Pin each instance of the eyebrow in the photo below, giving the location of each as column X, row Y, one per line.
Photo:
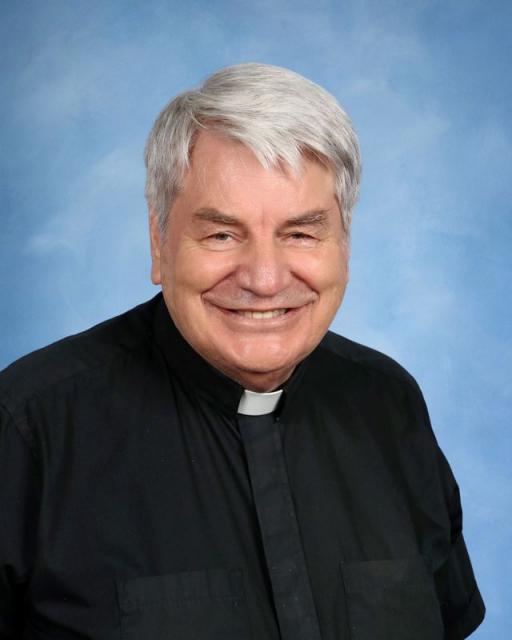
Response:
column 313, row 217
column 209, row 214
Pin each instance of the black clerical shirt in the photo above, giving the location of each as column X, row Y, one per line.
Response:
column 137, row 503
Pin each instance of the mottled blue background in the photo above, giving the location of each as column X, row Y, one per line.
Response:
column 427, row 84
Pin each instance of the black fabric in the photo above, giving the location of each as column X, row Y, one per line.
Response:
column 280, row 534
column 133, row 504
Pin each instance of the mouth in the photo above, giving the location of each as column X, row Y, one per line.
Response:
column 268, row 317
column 259, row 315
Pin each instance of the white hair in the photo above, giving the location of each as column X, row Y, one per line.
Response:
column 277, row 113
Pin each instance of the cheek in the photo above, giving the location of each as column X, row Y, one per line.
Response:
column 325, row 273
column 195, row 271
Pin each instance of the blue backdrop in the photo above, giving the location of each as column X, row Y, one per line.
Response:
column 427, row 84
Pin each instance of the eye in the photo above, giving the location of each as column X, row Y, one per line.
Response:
column 221, row 236
column 219, row 241
column 300, row 238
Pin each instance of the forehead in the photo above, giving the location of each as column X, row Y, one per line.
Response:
column 224, row 172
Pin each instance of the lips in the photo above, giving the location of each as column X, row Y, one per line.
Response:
column 260, row 315
column 248, row 315
column 245, row 305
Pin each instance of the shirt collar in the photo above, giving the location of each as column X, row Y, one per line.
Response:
column 258, row 404
column 212, row 385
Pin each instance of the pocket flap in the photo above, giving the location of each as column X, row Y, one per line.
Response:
column 391, row 599
column 180, row 587
column 379, row 574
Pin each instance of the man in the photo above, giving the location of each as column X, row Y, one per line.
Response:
column 215, row 463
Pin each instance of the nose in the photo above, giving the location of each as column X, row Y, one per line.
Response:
column 264, row 269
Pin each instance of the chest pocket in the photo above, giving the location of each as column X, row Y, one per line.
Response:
column 204, row 605
column 391, row 600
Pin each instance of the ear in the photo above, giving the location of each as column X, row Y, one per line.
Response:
column 155, row 239
column 347, row 247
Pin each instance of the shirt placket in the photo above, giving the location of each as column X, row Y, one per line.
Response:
column 284, row 554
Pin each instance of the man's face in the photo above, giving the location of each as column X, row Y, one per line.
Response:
column 253, row 262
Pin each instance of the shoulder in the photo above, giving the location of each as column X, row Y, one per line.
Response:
column 367, row 374
column 363, row 385
column 343, row 352
column 75, row 356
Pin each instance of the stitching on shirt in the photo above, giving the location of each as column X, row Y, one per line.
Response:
column 25, row 434
column 87, row 370
column 405, row 376
column 181, row 602
column 144, row 341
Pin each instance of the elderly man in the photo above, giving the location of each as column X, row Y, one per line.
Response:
column 215, row 464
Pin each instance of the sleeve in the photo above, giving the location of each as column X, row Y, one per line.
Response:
column 19, row 500
column 462, row 607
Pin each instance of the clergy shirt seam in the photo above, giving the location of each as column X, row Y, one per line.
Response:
column 43, row 390
column 407, row 378
column 25, row 434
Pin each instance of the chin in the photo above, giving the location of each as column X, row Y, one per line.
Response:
column 263, row 368
column 259, row 363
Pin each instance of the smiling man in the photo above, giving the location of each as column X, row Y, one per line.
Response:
column 216, row 464
column 252, row 262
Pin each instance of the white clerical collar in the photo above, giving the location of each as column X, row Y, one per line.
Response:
column 258, row 404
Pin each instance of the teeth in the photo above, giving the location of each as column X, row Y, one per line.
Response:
column 262, row 314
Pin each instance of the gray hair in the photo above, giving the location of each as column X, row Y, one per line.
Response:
column 277, row 113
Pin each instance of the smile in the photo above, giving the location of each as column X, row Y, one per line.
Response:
column 276, row 319
column 260, row 315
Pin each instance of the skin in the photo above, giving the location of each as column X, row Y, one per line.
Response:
column 240, row 239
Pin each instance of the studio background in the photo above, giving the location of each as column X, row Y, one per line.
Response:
column 427, row 85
